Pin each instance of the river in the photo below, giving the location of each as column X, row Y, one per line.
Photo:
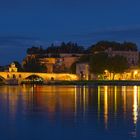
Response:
column 69, row 112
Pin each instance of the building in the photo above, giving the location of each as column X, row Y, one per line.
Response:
column 48, row 62
column 13, row 68
column 70, row 54
column 82, row 70
column 131, row 56
column 69, row 60
column 54, row 64
column 130, row 74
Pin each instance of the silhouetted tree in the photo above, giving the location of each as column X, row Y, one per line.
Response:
column 104, row 45
column 98, row 63
column 32, row 65
column 117, row 64
column 18, row 65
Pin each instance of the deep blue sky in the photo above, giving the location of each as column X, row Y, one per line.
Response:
column 27, row 22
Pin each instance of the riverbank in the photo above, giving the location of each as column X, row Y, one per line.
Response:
column 96, row 82
column 83, row 82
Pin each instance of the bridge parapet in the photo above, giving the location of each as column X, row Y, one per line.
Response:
column 20, row 76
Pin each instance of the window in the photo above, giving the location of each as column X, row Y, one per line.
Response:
column 52, row 78
column 14, row 76
column 19, row 75
column 8, row 76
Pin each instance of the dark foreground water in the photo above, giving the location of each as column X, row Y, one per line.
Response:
column 69, row 113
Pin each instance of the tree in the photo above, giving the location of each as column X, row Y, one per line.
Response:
column 84, row 58
column 101, row 46
column 65, row 48
column 18, row 65
column 139, row 61
column 98, row 63
column 32, row 65
column 117, row 64
column 129, row 46
column 36, row 50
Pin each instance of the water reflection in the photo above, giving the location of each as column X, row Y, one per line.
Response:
column 105, row 105
column 135, row 105
column 105, row 108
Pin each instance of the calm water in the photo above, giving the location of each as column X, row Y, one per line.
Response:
column 69, row 112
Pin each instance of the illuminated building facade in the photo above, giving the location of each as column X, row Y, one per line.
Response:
column 48, row 62
column 82, row 70
column 54, row 64
column 13, row 68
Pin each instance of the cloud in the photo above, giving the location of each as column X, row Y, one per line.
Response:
column 114, row 34
column 15, row 40
column 14, row 47
column 111, row 32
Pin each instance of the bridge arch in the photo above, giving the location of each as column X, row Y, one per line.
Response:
column 65, row 77
column 33, row 78
column 2, row 79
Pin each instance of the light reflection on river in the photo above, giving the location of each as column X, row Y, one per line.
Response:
column 69, row 112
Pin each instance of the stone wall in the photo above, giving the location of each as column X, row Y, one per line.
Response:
column 20, row 76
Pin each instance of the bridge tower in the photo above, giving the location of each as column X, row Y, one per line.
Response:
column 13, row 68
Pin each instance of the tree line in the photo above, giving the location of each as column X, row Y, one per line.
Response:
column 75, row 48
column 57, row 49
column 101, row 61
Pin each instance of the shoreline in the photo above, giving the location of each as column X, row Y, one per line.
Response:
column 84, row 82
column 92, row 82
column 97, row 82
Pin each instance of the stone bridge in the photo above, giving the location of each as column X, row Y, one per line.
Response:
column 21, row 76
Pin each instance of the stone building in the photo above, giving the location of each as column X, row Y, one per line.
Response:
column 131, row 56
column 82, row 70
column 48, row 62
column 54, row 64
column 69, row 60
column 13, row 68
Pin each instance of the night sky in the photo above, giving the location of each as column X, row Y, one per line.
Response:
column 24, row 23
